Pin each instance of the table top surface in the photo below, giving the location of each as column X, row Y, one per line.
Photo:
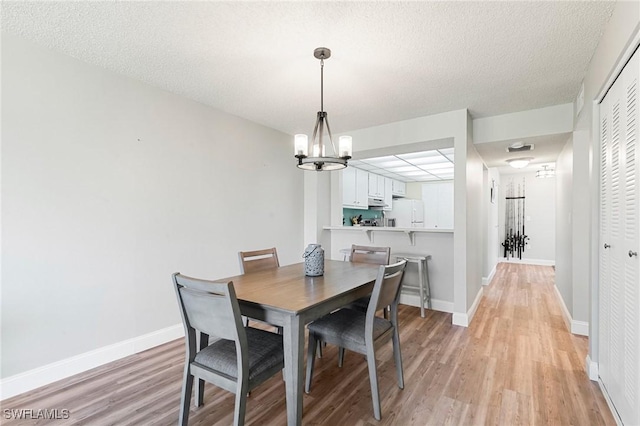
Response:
column 287, row 288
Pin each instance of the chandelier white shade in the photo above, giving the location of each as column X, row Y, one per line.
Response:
column 312, row 154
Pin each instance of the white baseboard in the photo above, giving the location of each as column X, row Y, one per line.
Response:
column 580, row 328
column 592, row 369
column 612, row 407
column 41, row 376
column 464, row 319
column 461, row 319
column 436, row 305
column 566, row 316
column 487, row 280
column 541, row 262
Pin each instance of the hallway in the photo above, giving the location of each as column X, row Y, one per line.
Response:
column 531, row 367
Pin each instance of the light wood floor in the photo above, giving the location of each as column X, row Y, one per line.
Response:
column 515, row 364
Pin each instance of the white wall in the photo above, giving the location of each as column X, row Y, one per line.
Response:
column 523, row 124
column 580, row 221
column 492, row 225
column 564, row 228
column 414, row 190
column 109, row 186
column 475, row 193
column 540, row 214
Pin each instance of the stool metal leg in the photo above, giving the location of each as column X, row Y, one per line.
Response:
column 426, row 274
column 421, row 285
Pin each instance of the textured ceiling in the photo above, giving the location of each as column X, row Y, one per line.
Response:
column 391, row 60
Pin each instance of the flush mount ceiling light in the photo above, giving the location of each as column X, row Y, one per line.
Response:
column 546, row 172
column 518, row 163
column 318, row 161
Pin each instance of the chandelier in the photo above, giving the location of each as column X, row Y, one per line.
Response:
column 318, row 160
column 546, row 172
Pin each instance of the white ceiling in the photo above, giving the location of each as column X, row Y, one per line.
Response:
column 545, row 151
column 390, row 61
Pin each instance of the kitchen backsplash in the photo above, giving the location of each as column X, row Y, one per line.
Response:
column 347, row 214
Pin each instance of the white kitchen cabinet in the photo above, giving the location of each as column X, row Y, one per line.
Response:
column 355, row 186
column 438, row 205
column 399, row 188
column 376, row 186
column 388, row 191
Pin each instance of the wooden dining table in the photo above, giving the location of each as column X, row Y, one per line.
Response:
column 286, row 297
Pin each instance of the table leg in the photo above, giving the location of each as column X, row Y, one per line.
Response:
column 293, row 335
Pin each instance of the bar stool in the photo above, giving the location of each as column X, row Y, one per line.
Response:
column 423, row 288
column 346, row 253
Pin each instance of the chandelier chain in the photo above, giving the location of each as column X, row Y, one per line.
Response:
column 322, row 83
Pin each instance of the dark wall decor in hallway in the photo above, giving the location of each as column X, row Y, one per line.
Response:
column 515, row 237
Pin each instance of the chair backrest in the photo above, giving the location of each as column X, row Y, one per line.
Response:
column 258, row 260
column 367, row 254
column 386, row 290
column 209, row 307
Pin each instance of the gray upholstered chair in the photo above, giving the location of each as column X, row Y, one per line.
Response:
column 238, row 361
column 258, row 260
column 364, row 332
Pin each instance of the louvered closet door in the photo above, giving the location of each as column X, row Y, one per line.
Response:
column 619, row 294
column 604, row 365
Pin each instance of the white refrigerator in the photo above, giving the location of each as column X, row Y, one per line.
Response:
column 408, row 213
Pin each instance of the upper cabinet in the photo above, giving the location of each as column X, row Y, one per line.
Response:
column 438, row 205
column 376, row 186
column 359, row 185
column 399, row 188
column 355, row 186
column 388, row 197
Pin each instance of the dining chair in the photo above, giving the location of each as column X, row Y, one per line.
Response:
column 366, row 254
column 364, row 332
column 258, row 260
column 363, row 254
column 238, row 360
column 370, row 254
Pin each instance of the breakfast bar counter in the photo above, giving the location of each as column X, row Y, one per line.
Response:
column 437, row 243
column 370, row 231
